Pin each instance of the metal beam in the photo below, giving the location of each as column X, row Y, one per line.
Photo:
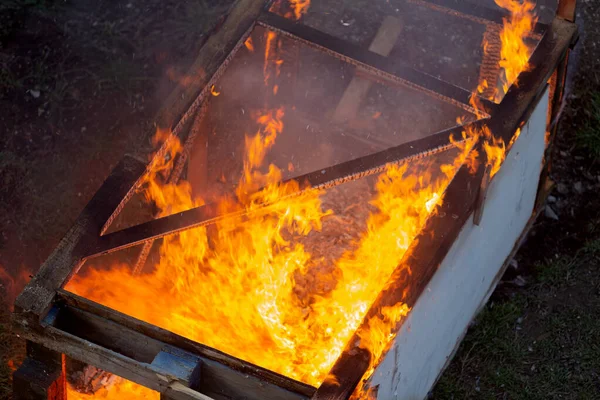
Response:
column 475, row 12
column 321, row 179
column 378, row 65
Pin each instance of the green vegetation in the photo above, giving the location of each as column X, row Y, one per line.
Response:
column 544, row 343
column 588, row 137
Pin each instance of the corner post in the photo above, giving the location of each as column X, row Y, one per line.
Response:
column 41, row 376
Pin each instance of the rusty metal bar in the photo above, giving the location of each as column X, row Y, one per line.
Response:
column 376, row 64
column 321, row 179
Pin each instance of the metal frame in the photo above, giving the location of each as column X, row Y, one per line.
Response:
column 182, row 369
column 475, row 12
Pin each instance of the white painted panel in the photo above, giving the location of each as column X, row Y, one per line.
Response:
column 449, row 303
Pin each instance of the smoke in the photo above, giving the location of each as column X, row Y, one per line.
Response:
column 12, row 284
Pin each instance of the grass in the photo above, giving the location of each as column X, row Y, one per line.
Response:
column 588, row 137
column 544, row 343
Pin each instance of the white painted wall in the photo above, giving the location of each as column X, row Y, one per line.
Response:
column 446, row 307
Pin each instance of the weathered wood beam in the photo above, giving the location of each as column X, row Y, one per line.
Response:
column 531, row 84
column 376, row 64
column 440, row 231
column 213, row 56
column 35, row 300
column 475, row 12
column 141, row 352
column 323, row 178
column 566, row 9
column 41, row 376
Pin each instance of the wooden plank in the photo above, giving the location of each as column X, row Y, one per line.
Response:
column 423, row 257
column 321, row 179
column 36, row 298
column 41, row 376
column 440, row 231
column 380, row 66
column 130, row 354
column 176, row 362
column 142, row 341
column 215, row 52
column 357, row 90
column 467, row 273
column 531, row 84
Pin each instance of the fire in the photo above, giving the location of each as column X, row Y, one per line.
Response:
column 121, row 389
column 257, row 314
column 249, row 45
column 271, row 60
column 246, row 286
column 213, row 91
column 514, row 54
column 514, row 59
column 381, row 332
column 297, row 8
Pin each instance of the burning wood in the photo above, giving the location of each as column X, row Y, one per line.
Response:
column 296, row 280
column 287, row 286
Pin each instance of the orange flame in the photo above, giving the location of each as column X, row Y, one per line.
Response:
column 213, row 91
column 271, row 49
column 258, row 313
column 249, row 288
column 300, row 7
column 120, row 390
column 514, row 54
column 297, row 8
column 249, row 45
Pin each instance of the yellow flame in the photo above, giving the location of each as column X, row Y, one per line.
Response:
column 300, row 7
column 120, row 390
column 297, row 8
column 514, row 54
column 249, row 45
column 250, row 288
column 237, row 289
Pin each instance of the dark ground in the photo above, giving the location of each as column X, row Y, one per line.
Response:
column 80, row 82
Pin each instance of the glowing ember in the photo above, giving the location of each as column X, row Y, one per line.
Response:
column 271, row 61
column 297, row 8
column 120, row 390
column 249, row 45
column 213, row 91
